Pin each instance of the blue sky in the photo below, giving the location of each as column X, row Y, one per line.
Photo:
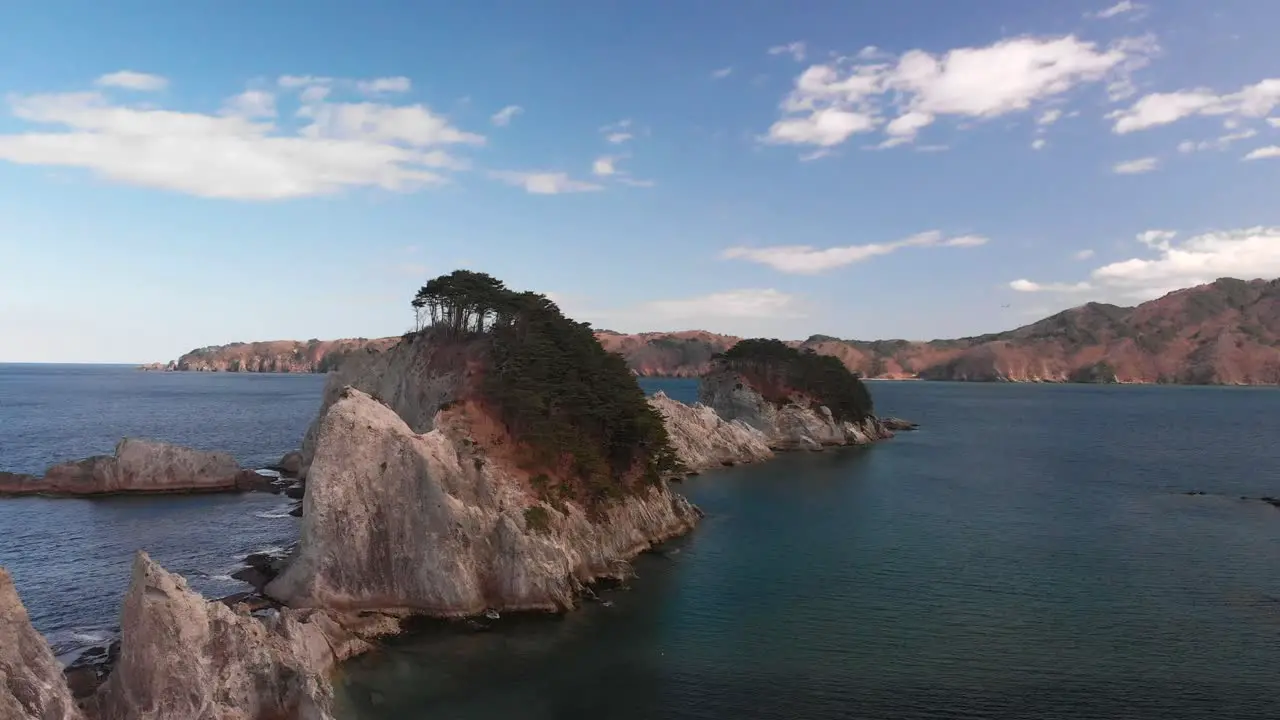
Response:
column 211, row 172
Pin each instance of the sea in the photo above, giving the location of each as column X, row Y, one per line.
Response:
column 1031, row 552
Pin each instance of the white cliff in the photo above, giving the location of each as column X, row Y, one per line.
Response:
column 434, row 524
column 704, row 440
column 31, row 684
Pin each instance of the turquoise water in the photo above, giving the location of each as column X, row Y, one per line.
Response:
column 1028, row 554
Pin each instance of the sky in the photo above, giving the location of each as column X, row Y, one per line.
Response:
column 176, row 175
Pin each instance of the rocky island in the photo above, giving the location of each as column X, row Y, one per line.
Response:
column 498, row 460
column 139, row 466
column 1222, row 333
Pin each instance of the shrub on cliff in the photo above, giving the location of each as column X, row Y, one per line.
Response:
column 776, row 370
column 575, row 407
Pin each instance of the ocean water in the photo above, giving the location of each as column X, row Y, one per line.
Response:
column 70, row 558
column 1029, row 553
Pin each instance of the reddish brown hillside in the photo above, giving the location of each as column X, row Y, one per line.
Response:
column 1225, row 332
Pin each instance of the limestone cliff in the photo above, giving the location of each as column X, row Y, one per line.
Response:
column 184, row 657
column 705, row 440
column 138, row 466
column 31, row 685
column 439, row 523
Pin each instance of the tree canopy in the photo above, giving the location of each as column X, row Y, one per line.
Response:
column 776, row 369
column 576, row 408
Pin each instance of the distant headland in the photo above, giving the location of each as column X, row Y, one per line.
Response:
column 1223, row 333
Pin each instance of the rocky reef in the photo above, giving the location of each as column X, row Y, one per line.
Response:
column 139, row 466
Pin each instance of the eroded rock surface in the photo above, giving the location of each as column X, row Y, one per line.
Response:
column 704, row 440
column 795, row 425
column 138, row 466
column 184, row 657
column 31, row 684
column 430, row 523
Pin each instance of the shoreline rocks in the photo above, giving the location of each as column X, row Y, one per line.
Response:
column 31, row 683
column 141, row 466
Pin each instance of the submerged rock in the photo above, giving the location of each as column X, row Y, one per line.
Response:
column 138, row 466
column 31, row 683
column 429, row 523
column 704, row 440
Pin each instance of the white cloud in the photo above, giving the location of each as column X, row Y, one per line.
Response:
column 1274, row 122
column 1124, row 6
column 543, row 182
column 131, row 80
column 795, row 49
column 808, row 260
column 824, row 127
column 831, row 102
column 603, row 166
column 252, row 104
column 1038, row 144
column 1084, row 254
column 297, row 81
column 1221, row 143
column 1251, row 101
column 1031, row 287
column 1270, row 151
column 1136, row 167
column 1244, row 253
column 503, row 117
column 384, row 85
column 619, row 132
column 722, row 73
column 1049, row 117
column 745, row 304
column 314, row 93
column 233, row 155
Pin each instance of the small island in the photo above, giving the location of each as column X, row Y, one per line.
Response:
column 496, row 459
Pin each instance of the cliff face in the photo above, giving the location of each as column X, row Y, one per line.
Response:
column 138, row 466
column 704, row 440
column 184, row 657
column 433, row 523
column 800, row 423
column 416, row 500
column 284, row 356
column 31, row 685
column 676, row 354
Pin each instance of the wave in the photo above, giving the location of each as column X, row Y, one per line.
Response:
column 274, row 514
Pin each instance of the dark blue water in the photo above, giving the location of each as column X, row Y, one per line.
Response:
column 70, row 558
column 1028, row 554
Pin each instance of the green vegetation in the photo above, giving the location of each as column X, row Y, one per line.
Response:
column 575, row 408
column 537, row 519
column 776, row 369
column 1099, row 372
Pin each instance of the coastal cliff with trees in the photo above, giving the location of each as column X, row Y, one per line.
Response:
column 496, row 459
column 1224, row 333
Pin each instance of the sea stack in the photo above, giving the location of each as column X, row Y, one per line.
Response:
column 498, row 460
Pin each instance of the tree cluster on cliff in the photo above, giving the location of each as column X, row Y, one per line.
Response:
column 576, row 408
column 776, row 370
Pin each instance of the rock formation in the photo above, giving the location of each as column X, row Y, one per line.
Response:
column 434, row 523
column 704, row 440
column 31, row 684
column 138, row 466
column 184, row 657
column 800, row 423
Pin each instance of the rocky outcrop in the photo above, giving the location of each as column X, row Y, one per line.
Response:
column 31, row 684
column 184, row 657
column 704, row 440
column 798, row 424
column 138, row 466
column 276, row 356
column 427, row 520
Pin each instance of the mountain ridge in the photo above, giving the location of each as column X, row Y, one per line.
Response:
column 1226, row 332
